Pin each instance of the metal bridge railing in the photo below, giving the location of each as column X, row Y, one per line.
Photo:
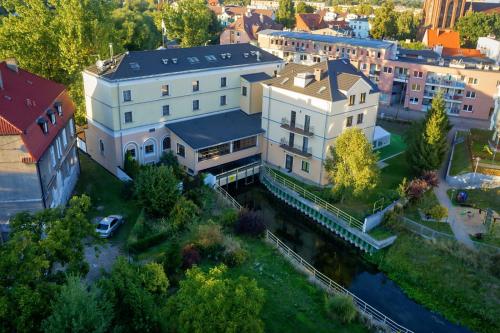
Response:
column 333, row 287
column 347, row 218
column 226, row 196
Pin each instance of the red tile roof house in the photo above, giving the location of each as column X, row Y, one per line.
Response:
column 39, row 164
column 245, row 28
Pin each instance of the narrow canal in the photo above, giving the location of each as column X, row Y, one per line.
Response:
column 340, row 261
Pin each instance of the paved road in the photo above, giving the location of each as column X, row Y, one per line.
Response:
column 458, row 122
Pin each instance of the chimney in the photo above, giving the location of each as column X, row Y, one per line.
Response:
column 318, row 74
column 12, row 64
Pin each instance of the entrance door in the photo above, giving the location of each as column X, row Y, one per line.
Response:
column 289, row 163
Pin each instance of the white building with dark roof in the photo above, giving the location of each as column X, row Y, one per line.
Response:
column 134, row 100
column 306, row 107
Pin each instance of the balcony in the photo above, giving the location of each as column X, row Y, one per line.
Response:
column 297, row 128
column 296, row 149
column 445, row 82
column 452, row 98
column 401, row 77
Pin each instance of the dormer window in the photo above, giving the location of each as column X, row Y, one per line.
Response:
column 44, row 125
column 51, row 114
column 58, row 107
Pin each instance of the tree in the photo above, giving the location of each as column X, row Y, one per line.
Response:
column 384, row 23
column 157, row 190
column 131, row 166
column 407, row 25
column 476, row 24
column 364, row 9
column 427, row 140
column 38, row 242
column 286, row 13
column 302, row 7
column 183, row 213
column 211, row 302
column 136, row 29
column 352, row 164
column 189, row 22
column 77, row 309
column 136, row 293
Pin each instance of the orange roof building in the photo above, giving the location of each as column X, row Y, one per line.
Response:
column 309, row 22
column 447, row 43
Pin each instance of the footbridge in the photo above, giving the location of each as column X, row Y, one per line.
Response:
column 332, row 218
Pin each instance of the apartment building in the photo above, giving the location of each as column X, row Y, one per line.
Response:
column 39, row 164
column 406, row 78
column 306, row 107
column 190, row 101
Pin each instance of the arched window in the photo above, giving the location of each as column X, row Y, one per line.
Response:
column 166, row 143
column 149, row 147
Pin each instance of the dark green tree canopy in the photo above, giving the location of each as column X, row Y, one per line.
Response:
column 302, row 7
column 475, row 25
column 286, row 13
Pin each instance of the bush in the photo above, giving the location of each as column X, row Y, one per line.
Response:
column 437, row 212
column 228, row 218
column 234, row 254
column 172, row 258
column 190, row 256
column 416, row 189
column 183, row 213
column 130, row 165
column 147, row 242
column 341, row 307
column 170, row 160
column 209, row 238
column 250, row 223
column 128, row 190
column 495, row 265
column 431, row 178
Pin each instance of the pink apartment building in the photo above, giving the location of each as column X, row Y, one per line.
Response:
column 408, row 78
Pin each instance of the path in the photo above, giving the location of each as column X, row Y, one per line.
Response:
column 102, row 259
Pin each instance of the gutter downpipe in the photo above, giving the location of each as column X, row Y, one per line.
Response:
column 268, row 121
column 324, row 142
column 41, row 184
column 120, row 121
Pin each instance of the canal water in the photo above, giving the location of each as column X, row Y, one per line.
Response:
column 340, row 261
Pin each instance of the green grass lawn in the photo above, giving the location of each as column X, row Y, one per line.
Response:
column 428, row 200
column 397, row 146
column 479, row 146
column 105, row 191
column 292, row 303
column 395, row 127
column 446, row 278
column 480, row 198
column 461, row 162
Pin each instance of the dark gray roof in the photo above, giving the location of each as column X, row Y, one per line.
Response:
column 156, row 62
column 256, row 77
column 215, row 129
column 339, row 75
column 361, row 42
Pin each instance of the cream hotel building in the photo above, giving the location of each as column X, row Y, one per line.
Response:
column 222, row 106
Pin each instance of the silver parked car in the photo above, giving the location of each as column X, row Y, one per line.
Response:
column 108, row 225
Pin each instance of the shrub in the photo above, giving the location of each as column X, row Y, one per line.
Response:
column 234, row 254
column 128, row 190
column 190, row 256
column 170, row 160
column 147, row 242
column 495, row 265
column 172, row 257
column 431, row 178
column 437, row 212
column 130, row 165
column 183, row 213
column 341, row 307
column 416, row 189
column 228, row 218
column 209, row 238
column 250, row 223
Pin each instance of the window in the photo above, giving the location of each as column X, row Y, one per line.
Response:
column 387, row 70
column 223, row 100
column 101, row 146
column 244, row 143
column 165, row 110
column 418, row 74
column 58, row 106
column 470, row 94
column 413, row 100
column 64, row 138
column 127, row 96
column 52, row 116
column 352, row 99
column 71, row 127
column 52, row 156
column 165, row 90
column 362, row 98
column 214, row 151
column 473, row 80
column 131, row 152
column 379, row 54
column 166, row 143
column 223, row 82
column 128, row 117
column 196, row 85
column 305, row 166
column 360, row 118
column 349, row 122
column 149, row 149
column 415, row 87
column 196, row 105
column 181, row 151
column 467, row 108
column 244, row 91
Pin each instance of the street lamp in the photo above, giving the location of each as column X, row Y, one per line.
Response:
column 477, row 162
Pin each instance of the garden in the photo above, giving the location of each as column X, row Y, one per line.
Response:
column 196, row 239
